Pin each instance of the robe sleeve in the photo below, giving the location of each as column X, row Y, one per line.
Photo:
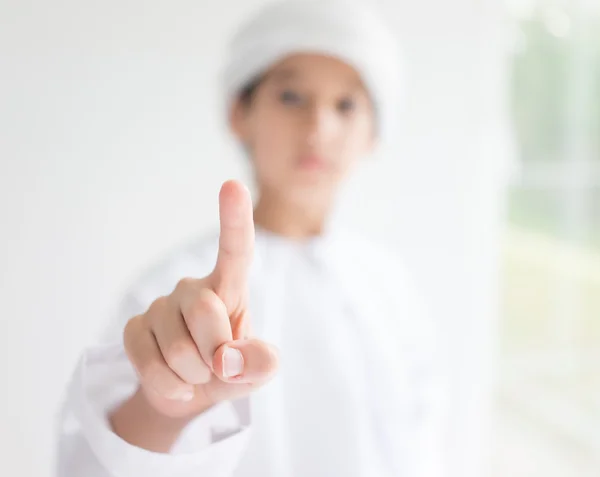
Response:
column 212, row 444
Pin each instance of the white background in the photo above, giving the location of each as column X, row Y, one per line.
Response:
column 112, row 151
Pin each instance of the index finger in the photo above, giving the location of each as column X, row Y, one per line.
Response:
column 236, row 240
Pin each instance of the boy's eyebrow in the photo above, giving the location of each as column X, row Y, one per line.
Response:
column 283, row 74
column 288, row 73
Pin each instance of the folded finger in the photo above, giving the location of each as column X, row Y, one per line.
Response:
column 206, row 318
column 154, row 372
column 180, row 351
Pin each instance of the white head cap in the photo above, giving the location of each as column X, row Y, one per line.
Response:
column 347, row 30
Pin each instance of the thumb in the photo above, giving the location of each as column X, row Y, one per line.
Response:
column 254, row 361
column 246, row 361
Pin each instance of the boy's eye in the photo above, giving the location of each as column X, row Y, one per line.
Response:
column 346, row 105
column 290, row 97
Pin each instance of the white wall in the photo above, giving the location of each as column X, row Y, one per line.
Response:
column 110, row 154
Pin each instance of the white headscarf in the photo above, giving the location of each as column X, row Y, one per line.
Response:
column 347, row 30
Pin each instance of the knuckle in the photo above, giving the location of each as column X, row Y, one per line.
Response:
column 205, row 305
column 184, row 284
column 209, row 302
column 132, row 329
column 158, row 306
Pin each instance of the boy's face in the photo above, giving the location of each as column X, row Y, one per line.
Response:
column 309, row 121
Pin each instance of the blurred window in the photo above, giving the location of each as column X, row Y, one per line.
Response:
column 549, row 416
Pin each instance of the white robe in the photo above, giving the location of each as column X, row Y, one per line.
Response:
column 357, row 394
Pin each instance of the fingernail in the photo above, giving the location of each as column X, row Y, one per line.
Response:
column 233, row 362
column 187, row 396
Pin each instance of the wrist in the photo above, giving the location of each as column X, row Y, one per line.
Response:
column 140, row 423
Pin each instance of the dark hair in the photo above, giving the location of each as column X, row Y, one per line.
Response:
column 247, row 92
